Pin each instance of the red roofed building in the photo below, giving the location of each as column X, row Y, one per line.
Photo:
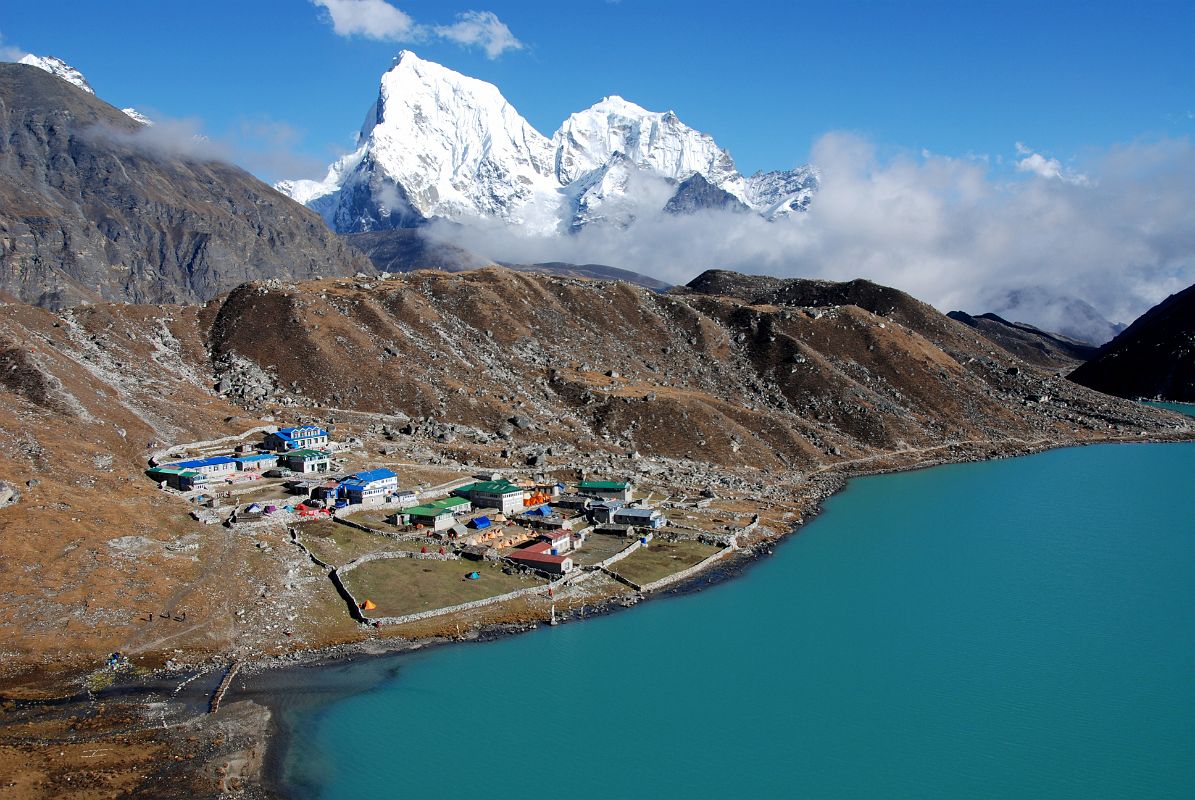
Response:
column 538, row 556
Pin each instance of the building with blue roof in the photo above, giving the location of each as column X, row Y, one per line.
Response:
column 208, row 467
column 256, row 462
column 368, row 486
column 300, row 437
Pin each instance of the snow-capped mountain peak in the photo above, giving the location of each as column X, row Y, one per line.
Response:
column 780, row 193
column 58, row 68
column 651, row 140
column 436, row 143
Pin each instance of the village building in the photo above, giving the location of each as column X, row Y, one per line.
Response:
column 573, row 502
column 638, row 517
column 546, row 517
column 603, row 513
column 538, row 556
column 559, row 541
column 502, row 495
column 370, row 486
column 607, row 490
column 177, row 478
column 215, row 467
column 303, row 437
column 307, row 461
column 406, row 498
column 256, row 462
column 439, row 515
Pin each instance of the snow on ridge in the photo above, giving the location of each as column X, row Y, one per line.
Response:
column 59, row 69
column 436, row 143
column 137, row 116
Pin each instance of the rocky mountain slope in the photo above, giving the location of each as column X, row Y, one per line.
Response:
column 1052, row 351
column 1154, row 357
column 438, row 144
column 97, row 206
column 738, row 384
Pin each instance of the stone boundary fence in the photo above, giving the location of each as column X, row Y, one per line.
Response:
column 574, row 577
column 676, row 577
column 156, row 458
column 705, row 537
column 365, row 559
column 401, row 537
column 294, row 537
column 619, row 556
column 750, row 527
column 618, row 576
column 443, row 489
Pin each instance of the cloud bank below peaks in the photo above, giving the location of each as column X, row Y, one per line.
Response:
column 958, row 233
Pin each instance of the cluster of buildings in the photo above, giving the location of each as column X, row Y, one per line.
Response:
column 546, row 518
column 545, row 515
column 301, row 450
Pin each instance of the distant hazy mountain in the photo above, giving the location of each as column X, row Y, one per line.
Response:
column 1153, row 358
column 1032, row 344
column 438, row 144
column 1050, row 310
column 93, row 207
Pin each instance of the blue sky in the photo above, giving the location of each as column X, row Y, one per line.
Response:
column 766, row 79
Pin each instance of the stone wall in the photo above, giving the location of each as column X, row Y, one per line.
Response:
column 677, row 577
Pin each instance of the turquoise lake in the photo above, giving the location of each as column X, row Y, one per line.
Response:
column 1016, row 628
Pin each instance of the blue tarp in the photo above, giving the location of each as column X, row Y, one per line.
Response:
column 479, row 523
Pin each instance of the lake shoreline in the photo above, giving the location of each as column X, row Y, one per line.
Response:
column 734, row 566
column 271, row 684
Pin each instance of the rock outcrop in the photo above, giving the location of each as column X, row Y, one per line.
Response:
column 1153, row 358
column 96, row 206
column 1049, row 350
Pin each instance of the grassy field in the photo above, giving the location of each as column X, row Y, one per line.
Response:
column 599, row 547
column 375, row 518
column 339, row 544
column 660, row 559
column 406, row 585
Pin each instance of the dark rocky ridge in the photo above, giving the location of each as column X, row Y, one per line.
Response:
column 405, row 249
column 1049, row 350
column 1154, row 357
column 94, row 207
column 695, row 193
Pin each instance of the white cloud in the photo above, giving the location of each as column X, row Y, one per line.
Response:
column 958, row 233
column 483, row 29
column 10, row 52
column 1045, row 167
column 373, row 19
column 381, row 21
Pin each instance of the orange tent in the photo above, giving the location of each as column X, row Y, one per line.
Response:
column 369, row 605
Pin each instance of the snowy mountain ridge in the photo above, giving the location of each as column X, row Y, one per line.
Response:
column 60, row 69
column 439, row 144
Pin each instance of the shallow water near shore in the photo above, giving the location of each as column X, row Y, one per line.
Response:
column 1001, row 629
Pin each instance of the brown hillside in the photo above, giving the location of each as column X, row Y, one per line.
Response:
column 683, row 390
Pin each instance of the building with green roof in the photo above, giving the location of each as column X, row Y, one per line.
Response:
column 501, row 494
column 438, row 515
column 307, row 460
column 607, row 490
